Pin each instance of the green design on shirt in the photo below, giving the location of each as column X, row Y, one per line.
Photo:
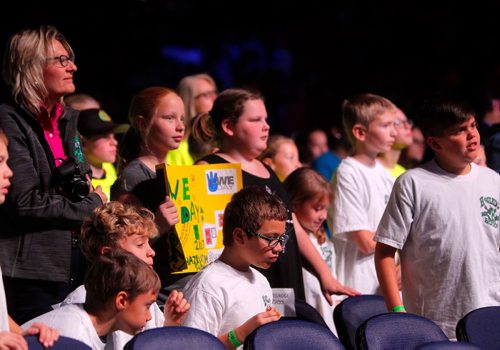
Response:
column 490, row 207
column 78, row 150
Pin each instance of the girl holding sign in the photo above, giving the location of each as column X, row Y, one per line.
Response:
column 237, row 124
column 156, row 116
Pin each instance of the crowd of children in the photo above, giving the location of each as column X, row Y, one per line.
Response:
column 426, row 236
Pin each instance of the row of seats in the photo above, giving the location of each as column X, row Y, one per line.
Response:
column 362, row 323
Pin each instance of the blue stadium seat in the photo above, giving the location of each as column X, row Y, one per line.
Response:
column 292, row 335
column 63, row 343
column 352, row 312
column 397, row 331
column 174, row 338
column 306, row 312
column 481, row 327
column 448, row 345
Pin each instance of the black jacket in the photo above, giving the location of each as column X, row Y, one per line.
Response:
column 36, row 222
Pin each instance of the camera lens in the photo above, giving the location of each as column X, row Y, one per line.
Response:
column 81, row 188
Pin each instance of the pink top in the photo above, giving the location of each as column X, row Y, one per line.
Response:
column 52, row 133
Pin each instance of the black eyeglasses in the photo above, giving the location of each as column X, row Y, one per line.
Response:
column 64, row 60
column 273, row 242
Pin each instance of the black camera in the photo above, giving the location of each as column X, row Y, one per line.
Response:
column 70, row 181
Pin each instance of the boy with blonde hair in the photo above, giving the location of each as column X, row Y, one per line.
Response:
column 229, row 297
column 443, row 217
column 361, row 189
column 130, row 228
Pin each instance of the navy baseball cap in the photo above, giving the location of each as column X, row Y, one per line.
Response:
column 94, row 122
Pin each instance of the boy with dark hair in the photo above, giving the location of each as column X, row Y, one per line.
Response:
column 443, row 217
column 229, row 298
column 120, row 226
column 361, row 189
column 120, row 290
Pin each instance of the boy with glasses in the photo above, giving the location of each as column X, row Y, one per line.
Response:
column 404, row 138
column 229, row 298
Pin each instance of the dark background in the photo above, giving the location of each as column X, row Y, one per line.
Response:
column 305, row 58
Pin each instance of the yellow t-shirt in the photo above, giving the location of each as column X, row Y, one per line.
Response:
column 180, row 156
column 397, row 170
column 108, row 180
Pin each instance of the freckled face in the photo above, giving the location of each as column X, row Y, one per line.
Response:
column 167, row 129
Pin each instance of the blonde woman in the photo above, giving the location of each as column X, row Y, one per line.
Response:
column 40, row 256
column 198, row 93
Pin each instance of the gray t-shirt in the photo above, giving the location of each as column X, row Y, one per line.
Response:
column 141, row 181
column 447, row 228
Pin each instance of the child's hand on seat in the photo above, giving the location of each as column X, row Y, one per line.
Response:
column 331, row 286
column 175, row 309
column 270, row 315
column 272, row 308
column 46, row 335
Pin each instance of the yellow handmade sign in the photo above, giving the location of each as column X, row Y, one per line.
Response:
column 201, row 193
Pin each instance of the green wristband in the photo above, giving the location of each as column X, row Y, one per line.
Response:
column 398, row 308
column 233, row 339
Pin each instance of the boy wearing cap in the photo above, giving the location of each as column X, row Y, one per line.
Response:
column 99, row 146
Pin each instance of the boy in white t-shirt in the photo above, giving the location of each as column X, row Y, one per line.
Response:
column 361, row 189
column 120, row 290
column 229, row 298
column 443, row 217
column 120, row 226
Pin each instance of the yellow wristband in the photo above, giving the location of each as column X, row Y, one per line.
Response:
column 398, row 308
column 233, row 339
